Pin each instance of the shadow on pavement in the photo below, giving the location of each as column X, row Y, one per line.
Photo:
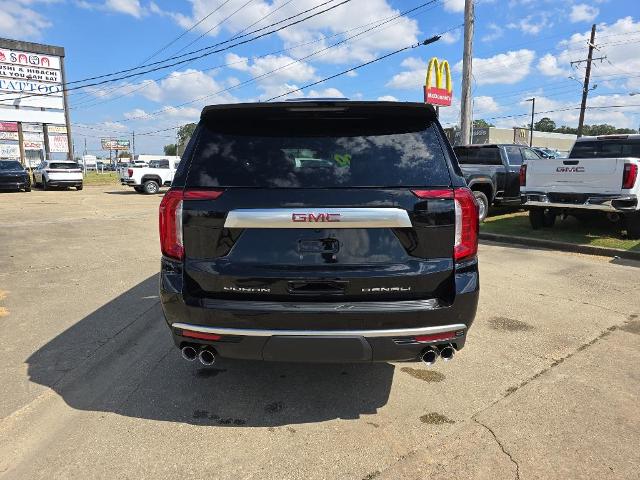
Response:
column 121, row 359
column 133, row 192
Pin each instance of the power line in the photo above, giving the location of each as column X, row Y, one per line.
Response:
column 190, row 59
column 344, row 72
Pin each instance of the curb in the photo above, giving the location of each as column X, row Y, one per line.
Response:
column 566, row 247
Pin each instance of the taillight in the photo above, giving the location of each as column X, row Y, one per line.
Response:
column 629, row 175
column 523, row 175
column 171, row 218
column 439, row 193
column 130, row 172
column 466, row 232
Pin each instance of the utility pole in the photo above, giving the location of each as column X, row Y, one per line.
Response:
column 587, row 74
column 465, row 112
column 533, row 112
column 133, row 146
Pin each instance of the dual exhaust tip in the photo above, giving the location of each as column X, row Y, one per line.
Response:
column 206, row 356
column 430, row 354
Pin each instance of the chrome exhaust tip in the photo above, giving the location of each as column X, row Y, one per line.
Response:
column 429, row 356
column 189, row 353
column 447, row 352
column 206, row 357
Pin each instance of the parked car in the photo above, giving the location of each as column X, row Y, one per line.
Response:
column 492, row 172
column 13, row 176
column 545, row 152
column 367, row 254
column 149, row 179
column 58, row 173
column 600, row 175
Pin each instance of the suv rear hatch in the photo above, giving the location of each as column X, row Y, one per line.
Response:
column 300, row 203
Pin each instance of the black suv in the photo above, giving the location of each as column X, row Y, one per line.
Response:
column 321, row 232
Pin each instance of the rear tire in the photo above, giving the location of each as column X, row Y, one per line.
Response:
column 632, row 221
column 44, row 184
column 483, row 204
column 541, row 218
column 79, row 187
column 151, row 187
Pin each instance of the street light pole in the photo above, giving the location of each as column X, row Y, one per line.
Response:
column 533, row 112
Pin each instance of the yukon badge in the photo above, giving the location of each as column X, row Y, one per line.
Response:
column 246, row 290
column 315, row 217
column 386, row 289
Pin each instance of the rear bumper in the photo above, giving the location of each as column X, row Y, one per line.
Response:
column 605, row 203
column 14, row 184
column 321, row 332
column 63, row 183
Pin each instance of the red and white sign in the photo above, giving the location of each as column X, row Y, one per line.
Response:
column 33, row 145
column 437, row 96
column 15, row 57
column 8, row 135
column 58, row 143
column 8, row 126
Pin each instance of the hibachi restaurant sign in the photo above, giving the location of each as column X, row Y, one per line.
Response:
column 440, row 95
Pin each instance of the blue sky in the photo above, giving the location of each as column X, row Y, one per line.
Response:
column 522, row 48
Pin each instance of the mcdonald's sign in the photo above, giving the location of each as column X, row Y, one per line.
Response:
column 437, row 95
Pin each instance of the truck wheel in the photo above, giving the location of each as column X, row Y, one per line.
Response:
column 483, row 204
column 541, row 218
column 150, row 187
column 79, row 187
column 632, row 221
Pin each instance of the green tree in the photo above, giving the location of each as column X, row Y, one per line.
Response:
column 545, row 124
column 566, row 129
column 482, row 123
column 170, row 149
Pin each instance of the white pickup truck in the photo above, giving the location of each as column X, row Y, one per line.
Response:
column 600, row 174
column 149, row 179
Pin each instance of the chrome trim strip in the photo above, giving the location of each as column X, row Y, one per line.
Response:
column 322, row 218
column 398, row 332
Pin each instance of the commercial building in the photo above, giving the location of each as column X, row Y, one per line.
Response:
column 34, row 117
column 518, row 135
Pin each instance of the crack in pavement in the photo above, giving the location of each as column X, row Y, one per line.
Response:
column 504, row 450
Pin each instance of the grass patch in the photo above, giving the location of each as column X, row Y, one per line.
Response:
column 597, row 233
column 106, row 178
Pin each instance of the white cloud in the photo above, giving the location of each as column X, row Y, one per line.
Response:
column 326, row 93
column 583, row 13
column 411, row 78
column 485, row 104
column 345, row 17
column 532, row 24
column 548, row 65
column 129, row 7
column 387, row 98
column 622, row 62
column 454, row 6
column 504, row 68
column 17, row 20
column 495, row 32
column 451, row 37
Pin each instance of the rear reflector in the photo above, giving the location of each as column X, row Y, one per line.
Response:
column 201, row 194
column 466, row 233
column 435, row 336
column 629, row 175
column 442, row 193
column 201, row 335
column 523, row 175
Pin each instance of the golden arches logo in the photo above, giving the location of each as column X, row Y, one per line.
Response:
column 437, row 95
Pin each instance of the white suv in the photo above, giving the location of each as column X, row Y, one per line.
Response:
column 58, row 173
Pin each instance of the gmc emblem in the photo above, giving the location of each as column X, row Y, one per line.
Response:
column 313, row 217
column 570, row 169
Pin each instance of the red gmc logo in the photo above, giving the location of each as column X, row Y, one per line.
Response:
column 312, row 217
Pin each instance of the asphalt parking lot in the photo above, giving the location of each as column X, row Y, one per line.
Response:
column 548, row 385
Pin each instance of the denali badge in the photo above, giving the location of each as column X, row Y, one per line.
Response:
column 386, row 289
column 246, row 290
column 313, row 217
column 570, row 169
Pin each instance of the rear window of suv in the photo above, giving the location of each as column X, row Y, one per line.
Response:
column 606, row 149
column 65, row 165
column 319, row 153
